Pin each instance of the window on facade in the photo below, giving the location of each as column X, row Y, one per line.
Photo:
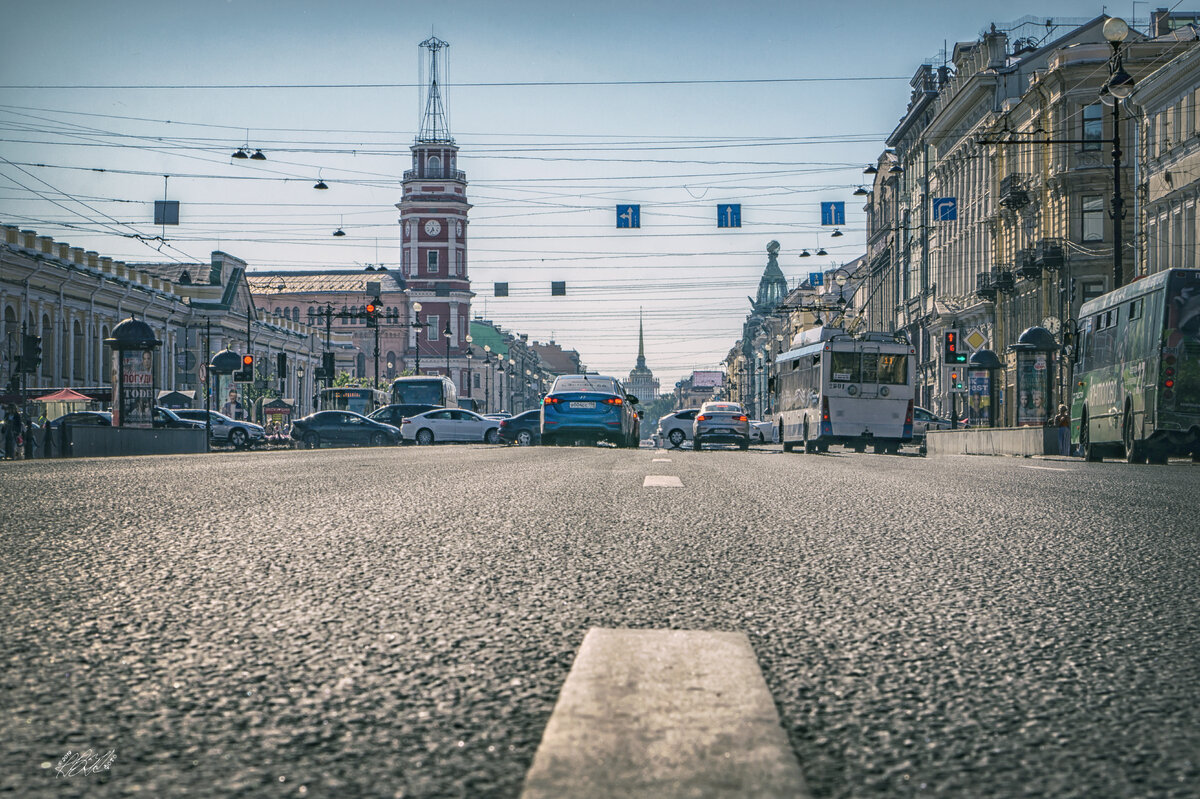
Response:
column 458, row 262
column 432, row 330
column 406, row 262
column 1093, row 126
column 1093, row 218
column 434, row 166
column 1091, row 290
column 431, row 261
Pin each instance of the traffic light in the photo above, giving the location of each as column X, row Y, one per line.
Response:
column 952, row 353
column 31, row 353
column 956, row 378
column 246, row 375
column 281, row 366
column 372, row 315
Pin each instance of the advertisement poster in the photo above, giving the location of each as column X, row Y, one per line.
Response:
column 979, row 401
column 137, row 388
column 1032, row 376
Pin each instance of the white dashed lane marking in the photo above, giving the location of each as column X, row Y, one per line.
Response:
column 664, row 713
column 1044, row 468
column 661, row 460
column 661, row 481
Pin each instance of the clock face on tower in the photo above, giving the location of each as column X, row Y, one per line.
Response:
column 433, row 227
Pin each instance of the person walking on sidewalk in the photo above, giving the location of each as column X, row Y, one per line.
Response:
column 1063, row 422
column 12, row 431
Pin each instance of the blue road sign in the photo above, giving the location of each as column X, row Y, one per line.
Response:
column 729, row 215
column 945, row 209
column 629, row 216
column 833, row 213
column 816, row 278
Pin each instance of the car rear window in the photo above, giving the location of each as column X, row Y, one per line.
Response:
column 604, row 385
column 725, row 408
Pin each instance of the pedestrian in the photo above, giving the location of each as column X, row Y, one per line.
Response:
column 12, row 431
column 1063, row 422
column 30, row 440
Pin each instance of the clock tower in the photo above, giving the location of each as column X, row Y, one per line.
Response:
column 433, row 239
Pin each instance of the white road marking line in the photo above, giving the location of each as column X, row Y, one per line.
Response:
column 1043, row 468
column 660, row 460
column 664, row 713
column 661, row 481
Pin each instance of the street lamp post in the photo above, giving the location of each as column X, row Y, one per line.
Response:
column 416, row 306
column 1120, row 85
column 446, row 334
column 300, row 384
column 470, row 356
column 487, row 378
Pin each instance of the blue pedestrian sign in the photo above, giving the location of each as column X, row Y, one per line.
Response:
column 945, row 209
column 816, row 279
column 629, row 216
column 729, row 215
column 833, row 213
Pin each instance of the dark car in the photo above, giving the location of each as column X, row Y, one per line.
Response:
column 167, row 418
column 589, row 407
column 396, row 414
column 523, row 429
column 342, row 428
column 78, row 418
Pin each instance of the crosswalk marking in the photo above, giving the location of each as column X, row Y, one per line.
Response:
column 661, row 481
column 664, row 714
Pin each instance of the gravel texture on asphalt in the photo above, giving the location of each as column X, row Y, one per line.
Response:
column 398, row 622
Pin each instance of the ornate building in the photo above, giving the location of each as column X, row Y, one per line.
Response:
column 642, row 383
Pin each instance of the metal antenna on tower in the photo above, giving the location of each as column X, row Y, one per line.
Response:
column 435, row 126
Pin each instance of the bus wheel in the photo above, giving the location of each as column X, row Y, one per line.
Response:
column 789, row 446
column 1135, row 451
column 1090, row 453
column 877, row 449
column 1158, row 457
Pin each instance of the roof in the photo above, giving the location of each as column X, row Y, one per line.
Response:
column 65, row 395
column 304, row 282
column 174, row 272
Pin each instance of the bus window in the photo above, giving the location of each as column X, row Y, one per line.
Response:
column 893, row 369
column 844, row 367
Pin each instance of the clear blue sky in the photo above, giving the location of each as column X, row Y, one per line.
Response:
column 546, row 163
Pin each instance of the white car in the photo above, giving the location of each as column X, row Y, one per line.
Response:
column 232, row 431
column 675, row 429
column 762, row 432
column 925, row 420
column 449, row 424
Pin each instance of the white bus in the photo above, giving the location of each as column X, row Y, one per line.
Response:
column 838, row 389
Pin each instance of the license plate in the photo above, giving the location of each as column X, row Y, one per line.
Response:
column 581, row 405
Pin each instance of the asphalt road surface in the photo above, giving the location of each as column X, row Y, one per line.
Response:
column 398, row 622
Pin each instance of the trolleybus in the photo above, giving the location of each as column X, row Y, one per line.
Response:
column 351, row 398
column 1136, row 390
column 838, row 389
column 424, row 390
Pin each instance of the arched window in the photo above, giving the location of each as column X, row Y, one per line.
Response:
column 295, row 313
column 276, row 313
column 77, row 353
column 48, row 350
column 433, row 167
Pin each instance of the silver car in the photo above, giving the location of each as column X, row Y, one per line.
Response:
column 236, row 432
column 675, row 429
column 721, row 423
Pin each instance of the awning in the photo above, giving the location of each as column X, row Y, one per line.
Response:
column 63, row 395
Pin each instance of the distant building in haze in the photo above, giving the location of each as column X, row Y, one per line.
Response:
column 642, row 383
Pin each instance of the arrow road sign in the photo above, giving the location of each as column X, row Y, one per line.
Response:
column 629, row 216
column 945, row 209
column 729, row 215
column 833, row 213
column 816, row 278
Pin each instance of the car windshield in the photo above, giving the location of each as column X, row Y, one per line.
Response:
column 603, row 385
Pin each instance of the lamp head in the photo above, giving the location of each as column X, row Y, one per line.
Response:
column 1121, row 84
column 1115, row 30
column 416, row 306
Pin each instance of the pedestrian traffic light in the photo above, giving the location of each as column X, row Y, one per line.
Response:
column 372, row 315
column 281, row 366
column 952, row 353
column 31, row 353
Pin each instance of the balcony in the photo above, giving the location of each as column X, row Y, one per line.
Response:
column 1027, row 264
column 983, row 286
column 1003, row 279
column 1013, row 192
column 435, row 174
column 1049, row 253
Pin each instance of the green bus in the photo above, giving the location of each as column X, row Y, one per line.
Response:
column 1137, row 371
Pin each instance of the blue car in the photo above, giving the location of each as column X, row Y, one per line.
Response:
column 589, row 408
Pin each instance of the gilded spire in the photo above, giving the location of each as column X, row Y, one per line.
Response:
column 641, row 361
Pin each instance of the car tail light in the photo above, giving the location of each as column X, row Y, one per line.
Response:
column 741, row 418
column 909, row 413
column 504, row 423
column 406, row 421
column 825, row 409
column 551, row 401
column 701, row 418
column 614, row 401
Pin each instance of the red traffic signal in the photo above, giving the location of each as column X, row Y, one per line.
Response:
column 372, row 308
column 247, row 362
